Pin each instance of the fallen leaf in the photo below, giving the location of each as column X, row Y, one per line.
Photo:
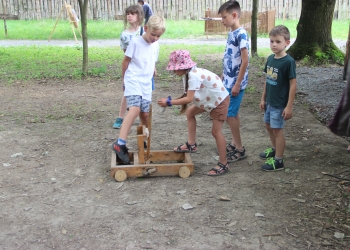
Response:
column 224, row 198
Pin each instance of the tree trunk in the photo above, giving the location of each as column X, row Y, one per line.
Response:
column 254, row 28
column 314, row 33
column 347, row 56
column 83, row 7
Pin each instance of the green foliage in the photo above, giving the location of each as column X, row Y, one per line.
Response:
column 41, row 30
column 38, row 62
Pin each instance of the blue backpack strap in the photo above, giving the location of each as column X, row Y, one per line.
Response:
column 141, row 31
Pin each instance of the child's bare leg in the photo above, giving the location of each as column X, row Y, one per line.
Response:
column 233, row 122
column 128, row 121
column 191, row 112
column 216, row 131
column 280, row 142
column 233, row 142
column 144, row 118
column 271, row 134
column 122, row 109
column 222, row 166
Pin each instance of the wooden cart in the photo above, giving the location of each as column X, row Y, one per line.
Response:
column 151, row 162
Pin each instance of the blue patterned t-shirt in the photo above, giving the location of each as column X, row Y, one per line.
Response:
column 237, row 40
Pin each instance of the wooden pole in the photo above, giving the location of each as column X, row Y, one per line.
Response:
column 149, row 131
column 4, row 8
column 58, row 18
column 347, row 56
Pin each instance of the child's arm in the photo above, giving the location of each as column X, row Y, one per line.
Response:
column 187, row 99
column 263, row 98
column 125, row 65
column 245, row 58
column 288, row 112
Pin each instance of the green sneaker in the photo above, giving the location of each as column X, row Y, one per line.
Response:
column 273, row 165
column 270, row 152
column 118, row 123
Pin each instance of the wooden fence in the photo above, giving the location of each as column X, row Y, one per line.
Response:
column 170, row 9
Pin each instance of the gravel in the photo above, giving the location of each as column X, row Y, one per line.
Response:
column 321, row 88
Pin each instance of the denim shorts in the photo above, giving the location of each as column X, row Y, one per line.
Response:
column 273, row 116
column 137, row 101
column 235, row 103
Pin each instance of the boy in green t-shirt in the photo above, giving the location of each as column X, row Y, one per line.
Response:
column 278, row 96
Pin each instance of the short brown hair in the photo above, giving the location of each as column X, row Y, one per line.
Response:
column 230, row 6
column 280, row 30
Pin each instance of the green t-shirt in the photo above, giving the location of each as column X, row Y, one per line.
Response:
column 278, row 73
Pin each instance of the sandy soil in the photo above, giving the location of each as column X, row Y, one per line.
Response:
column 56, row 191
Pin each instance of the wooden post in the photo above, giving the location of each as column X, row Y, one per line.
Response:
column 72, row 21
column 53, row 30
column 347, row 56
column 4, row 8
column 149, row 131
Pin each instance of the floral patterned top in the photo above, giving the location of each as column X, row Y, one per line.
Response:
column 209, row 89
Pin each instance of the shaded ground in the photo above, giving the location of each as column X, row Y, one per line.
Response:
column 56, row 192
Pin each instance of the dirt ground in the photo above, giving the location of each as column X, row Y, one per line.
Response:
column 56, row 191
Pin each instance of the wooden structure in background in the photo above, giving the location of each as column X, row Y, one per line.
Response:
column 152, row 162
column 213, row 25
column 170, row 9
column 266, row 21
column 73, row 19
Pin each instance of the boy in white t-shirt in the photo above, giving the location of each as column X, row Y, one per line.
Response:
column 138, row 67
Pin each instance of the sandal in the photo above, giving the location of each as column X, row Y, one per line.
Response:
column 219, row 171
column 236, row 155
column 190, row 148
column 229, row 148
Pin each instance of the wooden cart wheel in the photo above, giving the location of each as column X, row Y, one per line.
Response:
column 120, row 175
column 184, row 172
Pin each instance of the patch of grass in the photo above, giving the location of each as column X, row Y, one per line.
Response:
column 338, row 28
column 176, row 110
column 38, row 62
column 176, row 29
column 250, row 89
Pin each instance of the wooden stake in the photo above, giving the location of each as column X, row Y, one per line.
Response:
column 58, row 18
column 149, row 131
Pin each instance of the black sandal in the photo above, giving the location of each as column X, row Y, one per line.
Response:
column 190, row 148
column 222, row 170
column 236, row 155
column 229, row 148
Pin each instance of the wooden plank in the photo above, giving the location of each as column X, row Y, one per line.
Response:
column 161, row 169
column 9, row 17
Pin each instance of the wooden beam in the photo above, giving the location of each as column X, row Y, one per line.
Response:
column 9, row 17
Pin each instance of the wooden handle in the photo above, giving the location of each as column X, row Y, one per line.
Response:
column 149, row 131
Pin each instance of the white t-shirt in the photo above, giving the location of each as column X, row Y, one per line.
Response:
column 138, row 75
column 209, row 89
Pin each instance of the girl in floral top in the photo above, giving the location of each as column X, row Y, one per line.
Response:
column 206, row 90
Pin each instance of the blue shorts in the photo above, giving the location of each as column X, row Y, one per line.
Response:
column 273, row 116
column 235, row 103
column 137, row 101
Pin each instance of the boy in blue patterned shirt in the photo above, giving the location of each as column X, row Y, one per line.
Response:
column 235, row 73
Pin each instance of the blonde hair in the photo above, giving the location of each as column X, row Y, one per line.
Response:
column 134, row 9
column 156, row 22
